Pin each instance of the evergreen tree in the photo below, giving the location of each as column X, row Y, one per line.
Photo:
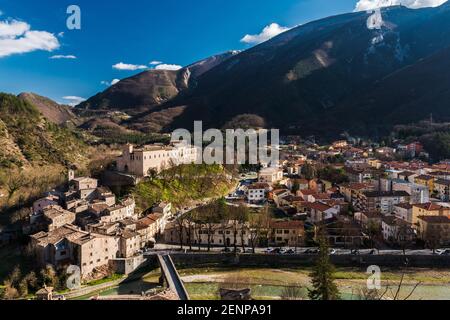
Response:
column 324, row 287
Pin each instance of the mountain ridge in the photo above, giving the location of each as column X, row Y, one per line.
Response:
column 302, row 80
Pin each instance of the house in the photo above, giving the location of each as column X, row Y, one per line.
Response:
column 56, row 217
column 341, row 144
column 271, row 175
column 404, row 211
column 69, row 245
column 381, row 201
column 257, row 192
column 428, row 209
column 41, row 204
column 286, row 233
column 352, row 191
column 442, row 189
column 341, row 232
column 434, row 230
column 369, row 219
column 407, row 176
column 427, row 181
column 419, row 193
column 219, row 234
column 129, row 243
column 119, row 212
column 164, row 208
column 147, row 228
column 319, row 212
column 47, row 294
column 278, row 195
column 84, row 183
column 396, row 230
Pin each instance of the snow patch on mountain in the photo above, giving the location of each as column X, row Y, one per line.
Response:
column 375, row 21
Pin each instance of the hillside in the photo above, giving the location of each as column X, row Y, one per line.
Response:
column 341, row 73
column 29, row 139
column 52, row 111
column 150, row 88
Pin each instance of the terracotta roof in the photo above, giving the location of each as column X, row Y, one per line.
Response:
column 319, row 206
column 436, row 219
column 404, row 205
column 425, row 177
column 429, row 206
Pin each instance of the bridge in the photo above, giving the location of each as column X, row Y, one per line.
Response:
column 171, row 276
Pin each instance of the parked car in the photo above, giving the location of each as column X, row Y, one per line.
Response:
column 333, row 251
column 312, row 251
column 355, row 252
column 274, row 251
column 443, row 252
column 289, row 251
column 226, row 250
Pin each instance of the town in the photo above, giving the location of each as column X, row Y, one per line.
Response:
column 365, row 199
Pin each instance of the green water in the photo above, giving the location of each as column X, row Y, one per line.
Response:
column 209, row 290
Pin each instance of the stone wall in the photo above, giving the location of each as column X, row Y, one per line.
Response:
column 280, row 261
column 129, row 265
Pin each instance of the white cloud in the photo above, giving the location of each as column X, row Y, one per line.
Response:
column 74, row 100
column 364, row 5
column 113, row 82
column 127, row 66
column 60, row 56
column 61, row 34
column 17, row 37
column 267, row 33
column 168, row 67
column 155, row 62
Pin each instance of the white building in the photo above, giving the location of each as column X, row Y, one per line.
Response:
column 257, row 192
column 418, row 193
column 270, row 175
column 141, row 161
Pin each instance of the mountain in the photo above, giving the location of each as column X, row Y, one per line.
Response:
column 150, row 88
column 360, row 72
column 28, row 138
column 52, row 111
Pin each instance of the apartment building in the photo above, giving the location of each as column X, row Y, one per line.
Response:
column 434, row 230
column 381, row 201
column 428, row 209
column 271, row 175
column 286, row 233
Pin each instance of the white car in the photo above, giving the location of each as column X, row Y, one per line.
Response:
column 443, row 252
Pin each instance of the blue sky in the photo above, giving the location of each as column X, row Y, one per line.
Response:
column 134, row 32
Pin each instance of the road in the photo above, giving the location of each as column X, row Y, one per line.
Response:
column 168, row 248
column 172, row 277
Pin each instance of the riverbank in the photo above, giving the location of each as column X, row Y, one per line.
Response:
column 203, row 284
column 272, row 284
